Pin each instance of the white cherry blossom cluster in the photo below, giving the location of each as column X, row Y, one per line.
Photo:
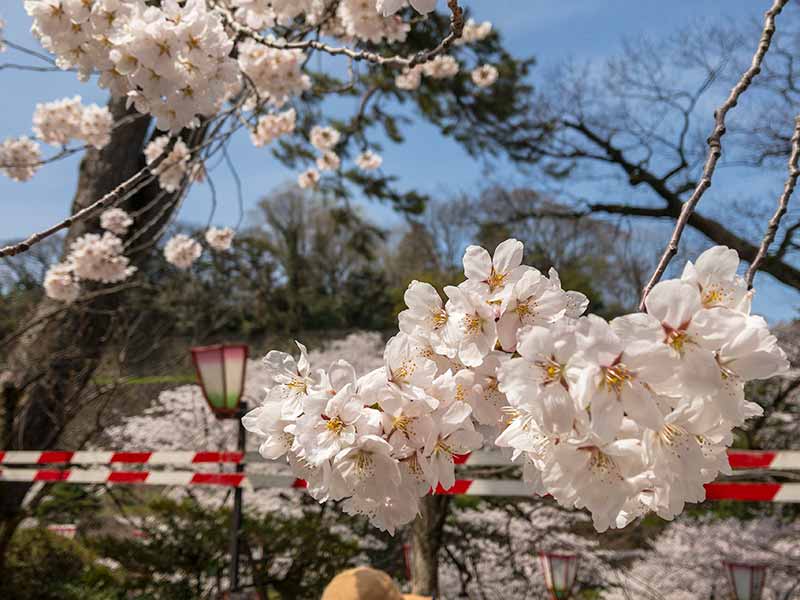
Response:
column 441, row 67
column 55, row 123
column 182, row 251
column 263, row 14
column 328, row 161
column 92, row 257
column 474, row 32
column 96, row 124
column 485, row 76
column 174, row 168
column 171, row 60
column 20, row 158
column 96, row 257
column 220, row 239
column 389, row 7
column 271, row 127
column 308, row 179
column 61, row 284
column 324, row 138
column 2, row 27
column 277, row 73
column 115, row 220
column 360, row 20
column 409, row 79
column 620, row 418
column 369, row 161
column 58, row 122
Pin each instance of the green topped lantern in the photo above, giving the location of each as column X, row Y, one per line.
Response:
column 220, row 370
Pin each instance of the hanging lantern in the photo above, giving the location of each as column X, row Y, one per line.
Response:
column 746, row 580
column 220, row 370
column 560, row 572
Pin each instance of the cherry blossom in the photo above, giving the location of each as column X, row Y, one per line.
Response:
column 308, row 179
column 171, row 60
column 220, row 239
column 61, row 121
column 409, row 79
column 622, row 418
column 277, row 73
column 329, row 161
column 474, row 32
column 361, row 21
column 58, row 122
column 484, row 76
column 443, row 66
column 389, row 7
column 182, row 251
column 369, row 161
column 96, row 124
column 271, row 127
column 60, row 283
column 172, row 171
column 99, row 258
column 20, row 158
column 116, row 221
column 324, row 138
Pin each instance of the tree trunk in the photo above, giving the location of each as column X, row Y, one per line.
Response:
column 52, row 363
column 426, row 538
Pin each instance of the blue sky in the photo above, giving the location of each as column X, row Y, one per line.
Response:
column 550, row 31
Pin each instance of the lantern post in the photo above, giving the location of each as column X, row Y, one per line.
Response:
column 221, row 372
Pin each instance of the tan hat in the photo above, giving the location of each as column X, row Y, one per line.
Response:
column 415, row 597
column 362, row 583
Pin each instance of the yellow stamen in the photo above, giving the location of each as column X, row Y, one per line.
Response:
column 439, row 319
column 297, row 385
column 472, row 324
column 496, row 280
column 335, row 425
column 615, row 377
column 677, row 340
column 401, row 423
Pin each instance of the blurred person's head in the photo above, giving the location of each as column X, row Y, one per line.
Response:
column 364, row 583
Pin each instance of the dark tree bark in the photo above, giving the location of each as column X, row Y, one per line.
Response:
column 51, row 365
column 427, row 531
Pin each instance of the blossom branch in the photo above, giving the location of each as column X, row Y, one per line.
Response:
column 715, row 145
column 783, row 202
column 456, row 30
column 110, row 198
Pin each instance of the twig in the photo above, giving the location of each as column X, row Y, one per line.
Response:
column 110, row 198
column 715, row 145
column 783, row 202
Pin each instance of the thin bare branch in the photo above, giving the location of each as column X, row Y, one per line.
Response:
column 715, row 145
column 783, row 203
column 107, row 200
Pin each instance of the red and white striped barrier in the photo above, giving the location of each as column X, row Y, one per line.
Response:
column 742, row 491
column 105, row 457
column 781, row 460
column 182, row 478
